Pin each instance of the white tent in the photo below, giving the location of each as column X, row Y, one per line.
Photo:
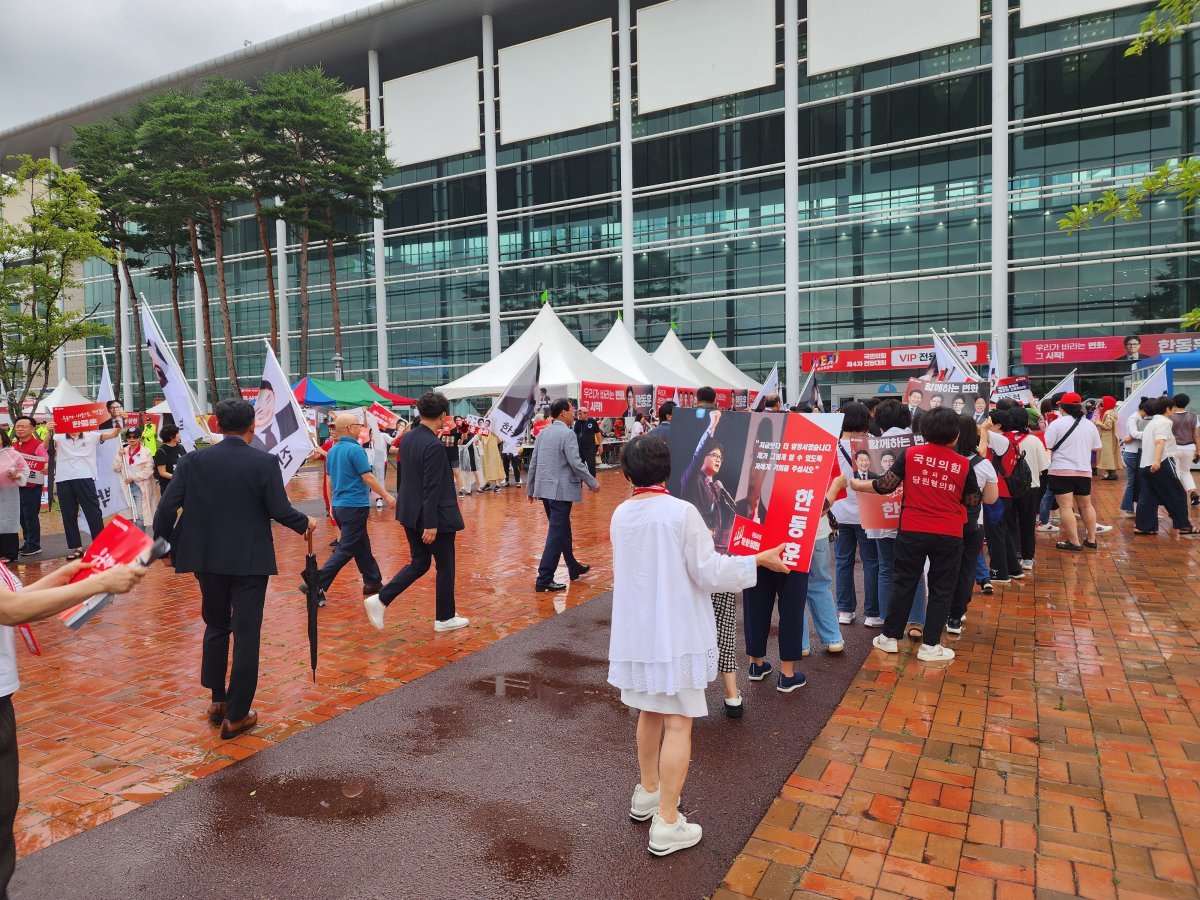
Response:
column 160, row 409
column 66, row 394
column 672, row 354
column 622, row 351
column 565, row 362
column 718, row 363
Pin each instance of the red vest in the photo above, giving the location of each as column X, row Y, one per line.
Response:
column 934, row 478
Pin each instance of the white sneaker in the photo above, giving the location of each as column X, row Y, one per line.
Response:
column 937, row 653
column 1027, row 564
column 374, row 607
column 451, row 624
column 667, row 837
column 845, row 618
column 1103, row 529
column 835, row 648
column 1048, row 527
column 873, row 622
column 644, row 804
column 885, row 643
column 379, row 503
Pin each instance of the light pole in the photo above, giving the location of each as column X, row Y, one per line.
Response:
column 339, row 373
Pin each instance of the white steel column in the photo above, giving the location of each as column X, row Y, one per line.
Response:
column 201, row 350
column 1000, row 115
column 381, row 342
column 791, row 198
column 281, row 289
column 61, row 354
column 491, row 191
column 126, row 304
column 625, row 78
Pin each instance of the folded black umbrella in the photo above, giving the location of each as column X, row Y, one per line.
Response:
column 312, row 593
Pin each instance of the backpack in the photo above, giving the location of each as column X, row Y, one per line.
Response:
column 1019, row 477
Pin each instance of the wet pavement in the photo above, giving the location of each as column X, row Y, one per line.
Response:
column 507, row 774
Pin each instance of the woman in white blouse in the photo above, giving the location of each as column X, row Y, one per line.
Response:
column 663, row 646
column 1158, row 480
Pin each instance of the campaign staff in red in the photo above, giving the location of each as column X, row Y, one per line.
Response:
column 938, row 487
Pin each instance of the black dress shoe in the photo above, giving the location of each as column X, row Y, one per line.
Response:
column 216, row 713
column 551, row 587
column 371, row 589
column 734, row 711
column 583, row 570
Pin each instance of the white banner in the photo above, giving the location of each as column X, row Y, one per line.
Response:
column 183, row 406
column 111, row 489
column 514, row 409
column 1153, row 386
column 770, row 386
column 1066, row 386
column 951, row 362
column 279, row 426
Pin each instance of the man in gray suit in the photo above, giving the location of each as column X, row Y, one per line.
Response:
column 556, row 477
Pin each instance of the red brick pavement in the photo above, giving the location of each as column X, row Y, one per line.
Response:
column 112, row 717
column 1058, row 755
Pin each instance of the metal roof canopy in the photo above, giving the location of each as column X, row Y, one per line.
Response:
column 410, row 35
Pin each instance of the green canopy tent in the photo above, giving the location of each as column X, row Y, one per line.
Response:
column 317, row 392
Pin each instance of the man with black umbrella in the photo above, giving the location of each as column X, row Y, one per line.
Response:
column 230, row 494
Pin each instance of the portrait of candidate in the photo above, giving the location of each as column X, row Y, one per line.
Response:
column 271, row 427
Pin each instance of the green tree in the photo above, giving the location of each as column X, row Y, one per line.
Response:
column 1180, row 179
column 41, row 257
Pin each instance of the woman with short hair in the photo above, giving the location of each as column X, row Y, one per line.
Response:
column 1071, row 440
column 1158, row 481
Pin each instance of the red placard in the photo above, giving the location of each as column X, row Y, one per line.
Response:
column 1106, row 349
column 74, row 419
column 121, row 543
column 384, row 418
column 617, row 400
column 878, row 511
column 960, row 397
column 682, row 396
column 883, row 358
column 36, row 463
column 131, row 419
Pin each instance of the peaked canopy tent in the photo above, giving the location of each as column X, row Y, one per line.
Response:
column 318, row 392
column 672, row 354
column 66, row 394
column 564, row 361
column 718, row 363
column 622, row 351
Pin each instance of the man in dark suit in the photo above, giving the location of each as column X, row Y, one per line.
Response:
column 269, row 428
column 587, row 430
column 230, row 494
column 427, row 508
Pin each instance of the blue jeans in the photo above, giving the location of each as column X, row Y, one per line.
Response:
column 1131, row 461
column 1043, row 509
column 821, row 611
column 981, row 569
column 849, row 537
column 887, row 551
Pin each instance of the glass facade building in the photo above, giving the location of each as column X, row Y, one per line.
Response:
column 894, row 224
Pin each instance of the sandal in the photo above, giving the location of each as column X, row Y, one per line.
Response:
column 1145, row 533
column 1191, row 529
column 75, row 554
column 1091, row 545
column 916, row 632
column 1067, row 545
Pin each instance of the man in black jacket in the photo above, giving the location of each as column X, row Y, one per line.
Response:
column 230, row 493
column 427, row 508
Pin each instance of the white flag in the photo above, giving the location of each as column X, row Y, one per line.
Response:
column 1066, row 386
column 111, row 489
column 279, row 425
column 770, row 386
column 513, row 410
column 183, row 406
column 951, row 364
column 1153, row 387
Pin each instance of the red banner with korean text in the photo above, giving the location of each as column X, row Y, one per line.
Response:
column 617, row 400
column 685, row 397
column 882, row 358
column 84, row 417
column 384, row 418
column 1128, row 348
column 879, row 511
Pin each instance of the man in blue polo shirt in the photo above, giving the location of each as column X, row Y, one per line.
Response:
column 351, row 481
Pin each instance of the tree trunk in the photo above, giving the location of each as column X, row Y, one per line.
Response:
column 117, row 371
column 198, row 262
column 173, row 256
column 304, row 236
column 139, row 359
column 268, row 260
column 333, row 289
column 214, row 214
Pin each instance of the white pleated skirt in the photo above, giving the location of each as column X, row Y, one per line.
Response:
column 688, row 702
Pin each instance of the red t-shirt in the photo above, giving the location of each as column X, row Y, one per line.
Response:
column 539, row 425
column 937, row 482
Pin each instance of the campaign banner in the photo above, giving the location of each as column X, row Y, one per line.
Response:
column 36, row 463
column 75, row 419
column 121, row 543
column 924, row 394
column 385, row 419
column 179, row 398
column 134, row 420
column 1016, row 389
column 1128, row 348
column 279, row 426
column 758, row 479
column 743, row 399
column 685, row 397
column 875, row 457
column 514, row 410
column 617, row 401
column 880, row 358
column 478, row 425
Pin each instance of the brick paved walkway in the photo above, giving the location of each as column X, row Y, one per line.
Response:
column 1058, row 755
column 112, row 717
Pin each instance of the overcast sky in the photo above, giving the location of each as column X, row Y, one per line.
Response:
column 55, row 54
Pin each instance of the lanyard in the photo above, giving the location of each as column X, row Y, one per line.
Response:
column 656, row 489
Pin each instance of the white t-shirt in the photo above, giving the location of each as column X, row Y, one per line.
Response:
column 1035, row 455
column 9, row 682
column 75, row 456
column 1075, row 453
column 1133, row 427
column 1158, row 428
column 637, row 428
column 845, row 510
column 985, row 474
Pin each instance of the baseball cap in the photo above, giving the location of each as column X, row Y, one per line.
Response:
column 1071, row 398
